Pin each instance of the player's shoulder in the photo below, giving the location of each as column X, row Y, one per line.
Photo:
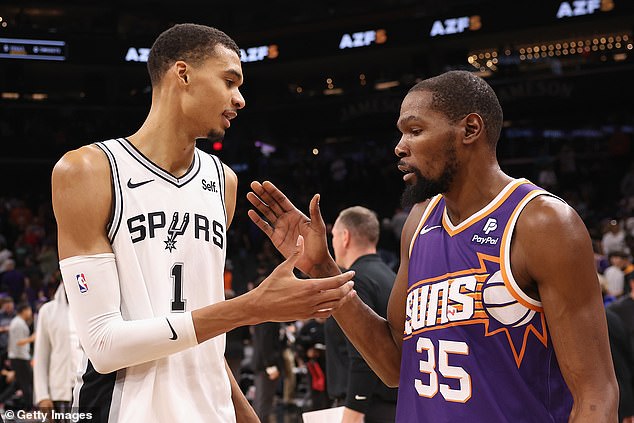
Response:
column 547, row 213
column 87, row 161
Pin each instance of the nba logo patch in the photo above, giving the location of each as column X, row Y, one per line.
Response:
column 81, row 281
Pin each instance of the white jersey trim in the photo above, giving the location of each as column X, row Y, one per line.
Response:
column 505, row 251
column 428, row 209
column 485, row 210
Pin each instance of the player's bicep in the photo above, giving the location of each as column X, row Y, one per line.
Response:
column 559, row 258
column 82, row 196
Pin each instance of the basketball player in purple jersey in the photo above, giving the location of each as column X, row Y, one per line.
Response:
column 496, row 312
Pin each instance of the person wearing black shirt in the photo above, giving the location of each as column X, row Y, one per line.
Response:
column 351, row 382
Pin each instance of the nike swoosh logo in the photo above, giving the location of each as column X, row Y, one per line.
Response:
column 426, row 229
column 174, row 336
column 360, row 398
column 138, row 184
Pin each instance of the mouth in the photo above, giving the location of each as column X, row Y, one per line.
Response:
column 227, row 116
column 409, row 172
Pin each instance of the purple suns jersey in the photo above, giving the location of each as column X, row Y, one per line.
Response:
column 475, row 347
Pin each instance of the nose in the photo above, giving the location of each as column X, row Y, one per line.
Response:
column 400, row 150
column 238, row 100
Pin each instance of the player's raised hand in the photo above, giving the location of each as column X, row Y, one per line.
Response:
column 282, row 222
column 282, row 297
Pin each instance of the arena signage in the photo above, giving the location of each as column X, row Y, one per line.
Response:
column 257, row 54
column 252, row 54
column 582, row 7
column 455, row 25
column 137, row 54
column 362, row 39
column 16, row 48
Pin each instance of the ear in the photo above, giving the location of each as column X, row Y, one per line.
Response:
column 345, row 237
column 182, row 71
column 473, row 128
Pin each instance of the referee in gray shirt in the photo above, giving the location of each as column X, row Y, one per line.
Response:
column 20, row 339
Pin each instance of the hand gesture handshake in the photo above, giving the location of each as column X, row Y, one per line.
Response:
column 282, row 297
column 283, row 223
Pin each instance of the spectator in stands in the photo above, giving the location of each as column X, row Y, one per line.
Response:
column 311, row 348
column 7, row 313
column 5, row 253
column 614, row 276
column 20, row 338
column 623, row 360
column 12, row 281
column 624, row 308
column 613, row 238
column 267, row 367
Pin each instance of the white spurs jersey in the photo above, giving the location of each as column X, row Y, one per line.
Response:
column 168, row 235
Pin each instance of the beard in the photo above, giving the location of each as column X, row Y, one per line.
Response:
column 215, row 135
column 425, row 188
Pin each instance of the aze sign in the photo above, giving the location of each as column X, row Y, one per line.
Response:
column 252, row 54
column 362, row 39
column 137, row 54
column 583, row 7
column 455, row 25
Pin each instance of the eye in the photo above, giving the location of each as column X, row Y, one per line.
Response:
column 230, row 82
column 416, row 131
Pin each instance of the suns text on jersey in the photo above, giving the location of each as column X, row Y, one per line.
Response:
column 443, row 302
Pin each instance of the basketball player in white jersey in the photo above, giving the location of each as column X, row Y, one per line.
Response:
column 142, row 225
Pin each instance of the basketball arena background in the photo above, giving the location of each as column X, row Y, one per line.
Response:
column 324, row 80
column 323, row 85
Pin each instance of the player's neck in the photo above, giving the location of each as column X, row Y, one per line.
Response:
column 470, row 193
column 161, row 141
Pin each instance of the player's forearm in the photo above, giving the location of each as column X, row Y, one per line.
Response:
column 324, row 269
column 597, row 401
column 25, row 341
column 222, row 317
column 111, row 342
column 372, row 337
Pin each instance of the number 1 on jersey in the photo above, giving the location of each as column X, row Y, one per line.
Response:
column 178, row 304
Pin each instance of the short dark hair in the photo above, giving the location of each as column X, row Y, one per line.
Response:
column 618, row 253
column 188, row 42
column 458, row 93
column 362, row 222
column 21, row 307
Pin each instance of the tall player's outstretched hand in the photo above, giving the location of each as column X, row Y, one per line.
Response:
column 282, row 297
column 282, row 222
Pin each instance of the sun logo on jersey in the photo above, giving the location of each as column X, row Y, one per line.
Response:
column 469, row 297
column 175, row 230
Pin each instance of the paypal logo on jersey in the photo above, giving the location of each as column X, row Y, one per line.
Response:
column 491, row 225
